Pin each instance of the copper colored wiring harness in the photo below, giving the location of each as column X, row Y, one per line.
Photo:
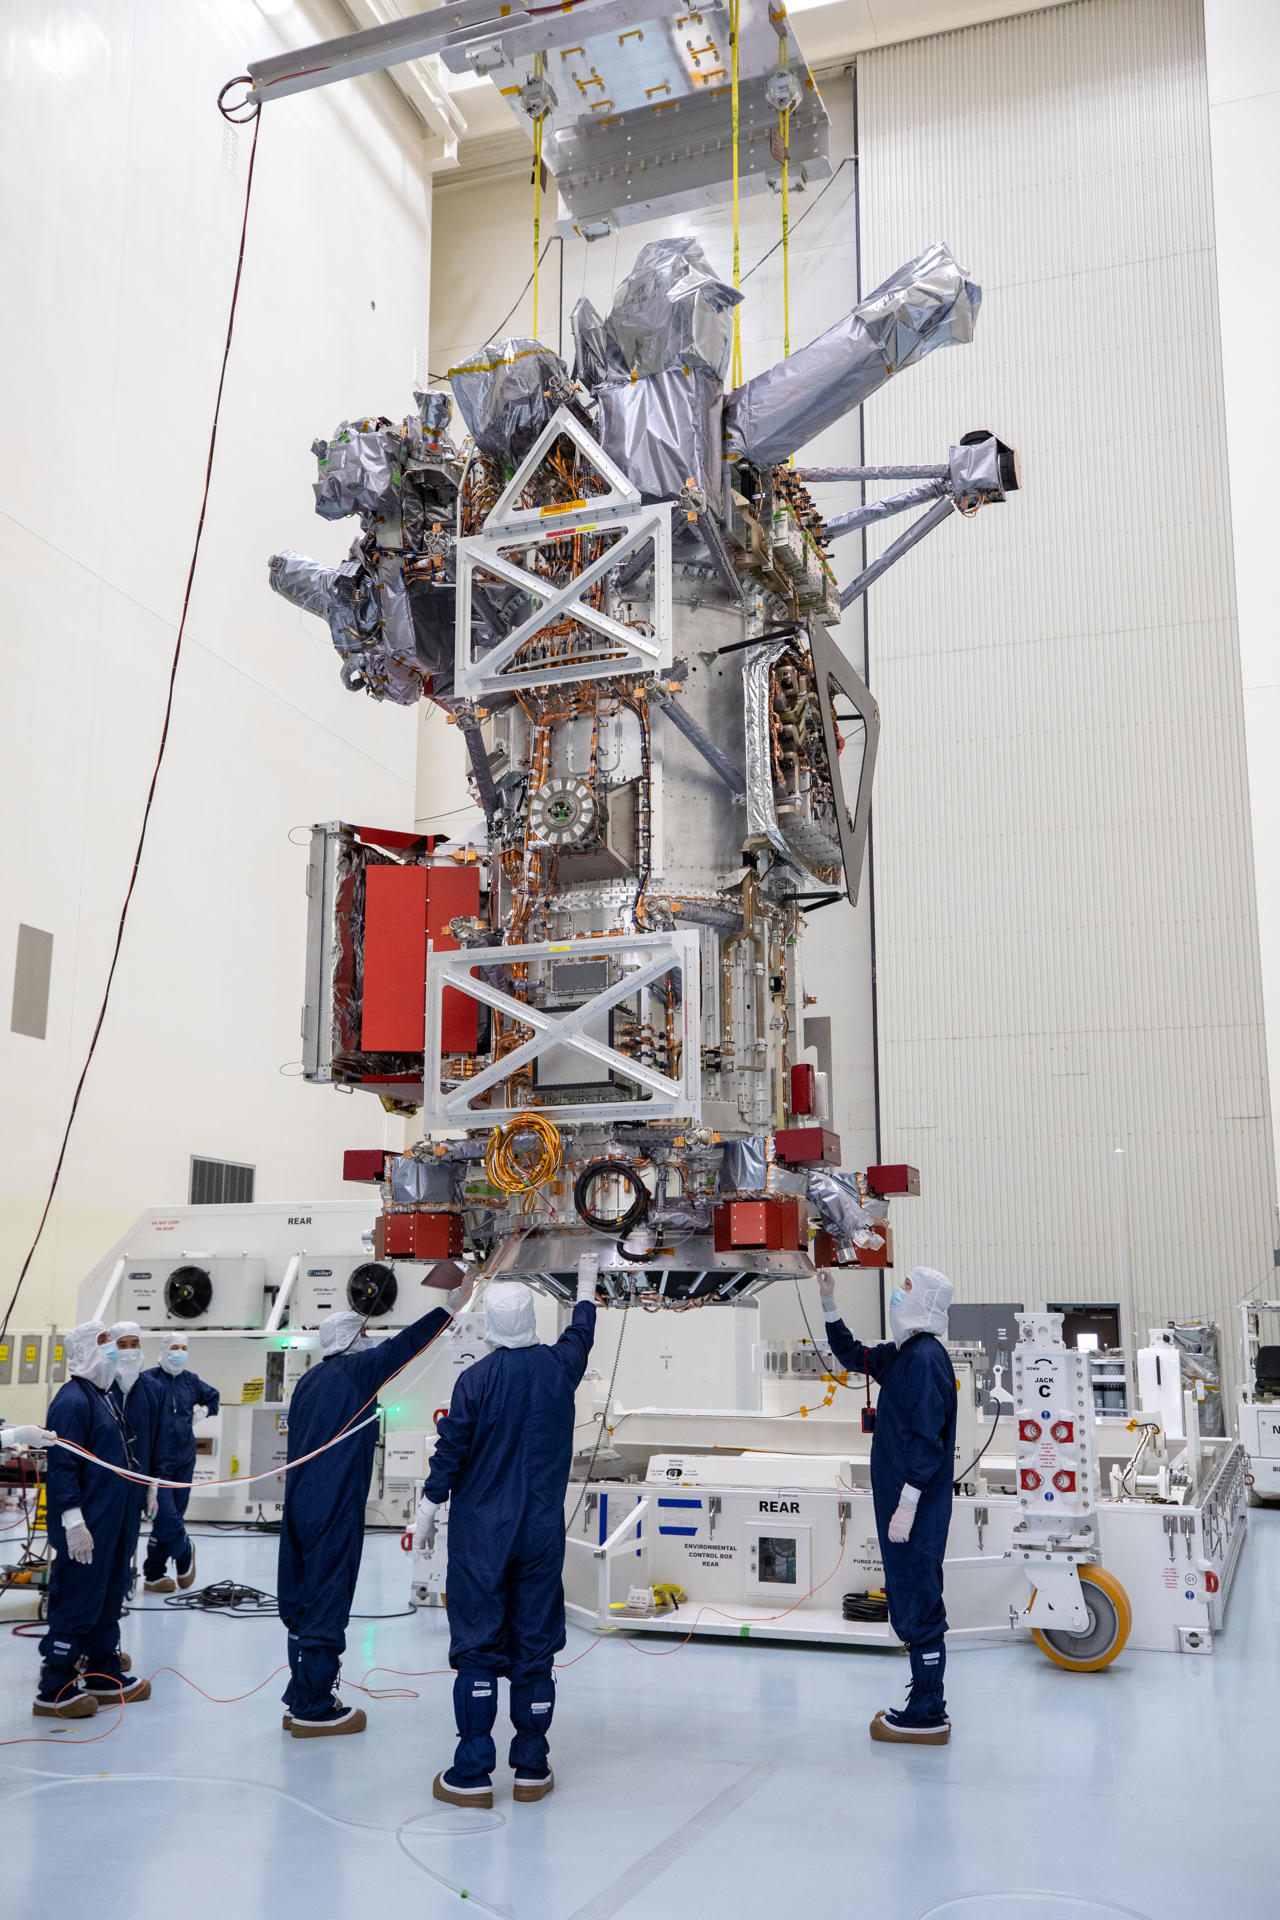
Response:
column 511, row 1173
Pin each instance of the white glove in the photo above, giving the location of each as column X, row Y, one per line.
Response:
column 587, row 1282
column 457, row 1297
column 153, row 1500
column 903, row 1519
column 26, row 1437
column 827, row 1295
column 424, row 1527
column 79, row 1538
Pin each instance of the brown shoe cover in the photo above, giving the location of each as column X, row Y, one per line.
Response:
column 187, row 1579
column 76, row 1706
column 164, row 1585
column 128, row 1695
column 533, row 1789
column 882, row 1729
column 354, row 1722
column 439, row 1791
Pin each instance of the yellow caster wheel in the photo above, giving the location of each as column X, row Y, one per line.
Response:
column 1110, row 1619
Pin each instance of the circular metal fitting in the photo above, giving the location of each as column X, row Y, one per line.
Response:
column 563, row 813
column 782, row 91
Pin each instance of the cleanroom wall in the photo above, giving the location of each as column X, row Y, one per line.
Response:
column 1067, row 921
column 1066, row 915
column 1242, row 49
column 120, row 211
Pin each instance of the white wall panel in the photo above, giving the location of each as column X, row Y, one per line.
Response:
column 1242, row 50
column 120, row 201
column 1067, row 924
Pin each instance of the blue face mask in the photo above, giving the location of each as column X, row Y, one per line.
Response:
column 899, row 1307
column 173, row 1359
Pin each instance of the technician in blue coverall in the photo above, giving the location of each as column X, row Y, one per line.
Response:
column 322, row 1528
column 503, row 1454
column 180, row 1393
column 91, row 1530
column 912, row 1470
column 139, row 1402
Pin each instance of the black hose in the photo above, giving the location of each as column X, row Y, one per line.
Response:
column 860, row 1606
column 962, row 1477
column 617, row 1225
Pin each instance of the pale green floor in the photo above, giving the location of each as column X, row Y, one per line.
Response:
column 726, row 1780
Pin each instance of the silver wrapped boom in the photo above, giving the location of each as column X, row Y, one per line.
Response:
column 929, row 303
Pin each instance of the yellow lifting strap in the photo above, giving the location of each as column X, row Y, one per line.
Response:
column 734, row 11
column 538, row 123
column 784, row 130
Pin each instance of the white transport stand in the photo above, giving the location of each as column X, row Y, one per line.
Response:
column 765, row 1545
column 1258, row 1408
column 1078, row 1612
column 273, row 1272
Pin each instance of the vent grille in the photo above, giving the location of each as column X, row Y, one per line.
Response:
column 220, row 1183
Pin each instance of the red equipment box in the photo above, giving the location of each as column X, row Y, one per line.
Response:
column 363, row 1163
column 897, row 1179
column 802, row 1146
column 770, row 1225
column 804, row 1088
column 824, row 1250
column 418, row 1236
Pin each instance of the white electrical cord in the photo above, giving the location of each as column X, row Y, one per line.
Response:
column 489, row 1823
column 247, row 1479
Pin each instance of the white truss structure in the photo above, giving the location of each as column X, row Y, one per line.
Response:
column 642, row 959
column 511, row 527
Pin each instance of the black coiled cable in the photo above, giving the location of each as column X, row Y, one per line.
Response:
column 860, row 1606
column 617, row 1224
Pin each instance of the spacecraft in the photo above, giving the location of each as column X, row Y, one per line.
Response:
column 616, row 584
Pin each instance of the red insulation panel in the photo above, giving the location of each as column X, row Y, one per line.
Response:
column 452, row 894
column 402, row 907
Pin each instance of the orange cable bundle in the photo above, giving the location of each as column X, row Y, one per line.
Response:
column 512, row 1174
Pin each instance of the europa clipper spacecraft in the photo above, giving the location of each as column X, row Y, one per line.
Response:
column 621, row 593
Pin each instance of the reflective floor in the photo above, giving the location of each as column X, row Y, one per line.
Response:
column 715, row 1780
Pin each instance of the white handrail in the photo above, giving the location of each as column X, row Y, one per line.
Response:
column 117, row 1273
column 623, row 1527
column 282, row 1298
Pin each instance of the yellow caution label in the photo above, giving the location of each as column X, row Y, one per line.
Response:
column 251, row 1391
column 561, row 506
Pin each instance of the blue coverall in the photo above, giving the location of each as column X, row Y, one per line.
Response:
column 85, row 1602
column 178, row 1395
column 322, row 1530
column 913, row 1445
column 503, row 1454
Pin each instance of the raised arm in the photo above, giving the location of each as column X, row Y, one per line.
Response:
column 371, row 1371
column 851, row 1353
column 573, row 1348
